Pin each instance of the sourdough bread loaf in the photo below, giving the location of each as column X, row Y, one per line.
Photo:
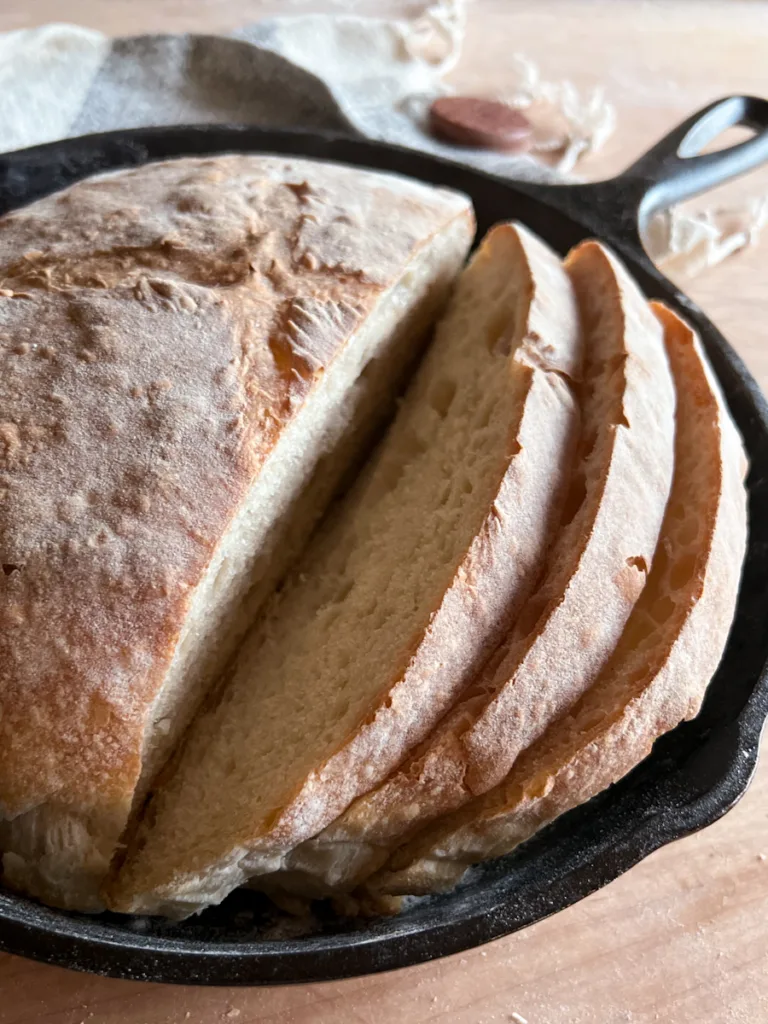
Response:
column 191, row 354
column 398, row 601
column 658, row 675
column 570, row 626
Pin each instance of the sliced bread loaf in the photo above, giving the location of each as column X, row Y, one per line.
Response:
column 397, row 603
column 571, row 625
column 668, row 652
column 191, row 354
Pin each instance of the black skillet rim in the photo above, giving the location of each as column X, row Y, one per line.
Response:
column 693, row 776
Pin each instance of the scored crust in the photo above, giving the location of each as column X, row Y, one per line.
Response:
column 180, row 863
column 660, row 671
column 159, row 331
column 570, row 626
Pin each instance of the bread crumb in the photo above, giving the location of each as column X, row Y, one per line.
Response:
column 762, row 856
column 232, row 1013
column 518, row 1018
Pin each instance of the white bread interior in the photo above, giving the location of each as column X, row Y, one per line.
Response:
column 568, row 628
column 397, row 603
column 660, row 670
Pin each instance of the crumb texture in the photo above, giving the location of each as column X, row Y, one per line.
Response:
column 401, row 598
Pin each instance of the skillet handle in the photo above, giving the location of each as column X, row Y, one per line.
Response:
column 675, row 168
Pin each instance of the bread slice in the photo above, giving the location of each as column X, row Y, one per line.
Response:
column 191, row 354
column 397, row 603
column 571, row 625
column 668, row 652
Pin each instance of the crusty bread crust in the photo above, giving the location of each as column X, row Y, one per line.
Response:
column 159, row 330
column 571, row 624
column 159, row 876
column 659, row 674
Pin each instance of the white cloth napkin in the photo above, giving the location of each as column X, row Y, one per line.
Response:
column 367, row 76
column 358, row 75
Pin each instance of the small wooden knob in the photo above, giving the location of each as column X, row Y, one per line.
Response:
column 488, row 124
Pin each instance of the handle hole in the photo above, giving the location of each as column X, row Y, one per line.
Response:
column 724, row 140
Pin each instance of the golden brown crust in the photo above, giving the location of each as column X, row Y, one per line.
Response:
column 660, row 671
column 159, row 328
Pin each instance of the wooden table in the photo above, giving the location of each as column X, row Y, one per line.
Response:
column 683, row 937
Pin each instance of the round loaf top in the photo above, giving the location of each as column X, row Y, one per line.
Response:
column 159, row 328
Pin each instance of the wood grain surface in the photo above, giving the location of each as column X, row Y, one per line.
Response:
column 683, row 937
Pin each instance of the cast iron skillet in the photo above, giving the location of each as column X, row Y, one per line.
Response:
column 694, row 775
